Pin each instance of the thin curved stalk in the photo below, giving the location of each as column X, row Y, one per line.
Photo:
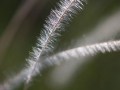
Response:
column 7, row 37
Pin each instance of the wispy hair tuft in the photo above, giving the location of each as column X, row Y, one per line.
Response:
column 54, row 24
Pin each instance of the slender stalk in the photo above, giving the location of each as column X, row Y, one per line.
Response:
column 14, row 25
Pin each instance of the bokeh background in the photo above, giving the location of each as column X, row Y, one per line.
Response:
column 99, row 21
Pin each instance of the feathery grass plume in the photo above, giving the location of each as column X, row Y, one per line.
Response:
column 83, row 51
column 15, row 80
column 54, row 25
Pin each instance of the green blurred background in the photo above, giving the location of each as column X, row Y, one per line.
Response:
column 20, row 24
